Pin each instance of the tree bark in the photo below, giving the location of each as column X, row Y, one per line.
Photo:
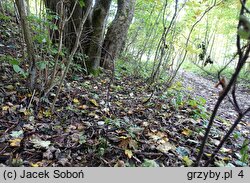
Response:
column 1, row 8
column 28, row 40
column 99, row 16
column 52, row 8
column 74, row 22
column 117, row 32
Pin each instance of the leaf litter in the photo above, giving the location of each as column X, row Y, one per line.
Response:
column 88, row 130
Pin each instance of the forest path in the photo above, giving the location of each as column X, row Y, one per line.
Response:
column 205, row 88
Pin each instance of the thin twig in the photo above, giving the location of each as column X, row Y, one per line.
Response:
column 237, row 121
column 242, row 60
column 31, row 98
column 244, row 6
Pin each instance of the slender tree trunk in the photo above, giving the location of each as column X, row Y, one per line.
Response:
column 117, row 32
column 77, row 16
column 52, row 7
column 72, row 53
column 1, row 8
column 28, row 40
column 99, row 16
column 51, row 4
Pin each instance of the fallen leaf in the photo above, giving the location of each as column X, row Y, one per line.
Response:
column 63, row 161
column 9, row 87
column 100, row 123
column 124, row 142
column 83, row 107
column 187, row 132
column 47, row 113
column 23, row 110
column 149, row 163
column 215, row 142
column 130, row 112
column 16, row 134
column 240, row 163
column 182, row 151
column 165, row 147
column 129, row 153
column 187, row 161
column 120, row 163
column 229, row 165
column 93, row 101
column 5, row 108
column 158, row 136
column 225, row 150
column 15, row 142
column 28, row 127
column 133, row 144
column 220, row 163
column 225, row 158
column 38, row 143
column 34, row 164
column 76, row 101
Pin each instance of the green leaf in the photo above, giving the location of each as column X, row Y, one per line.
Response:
column 14, row 62
column 81, row 3
column 187, row 161
column 18, row 69
column 244, row 152
column 41, row 65
column 38, row 143
column 149, row 163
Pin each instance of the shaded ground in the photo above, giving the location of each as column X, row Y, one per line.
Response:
column 88, row 130
column 85, row 131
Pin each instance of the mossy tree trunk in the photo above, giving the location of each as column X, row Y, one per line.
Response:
column 100, row 13
column 29, row 43
column 117, row 32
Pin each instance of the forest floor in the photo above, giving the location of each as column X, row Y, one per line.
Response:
column 86, row 131
column 89, row 130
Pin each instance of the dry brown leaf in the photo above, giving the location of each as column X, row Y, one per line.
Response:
column 124, row 142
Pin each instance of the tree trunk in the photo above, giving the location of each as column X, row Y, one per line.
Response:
column 117, row 32
column 28, row 40
column 1, row 8
column 51, row 4
column 74, row 22
column 99, row 16
column 52, row 8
